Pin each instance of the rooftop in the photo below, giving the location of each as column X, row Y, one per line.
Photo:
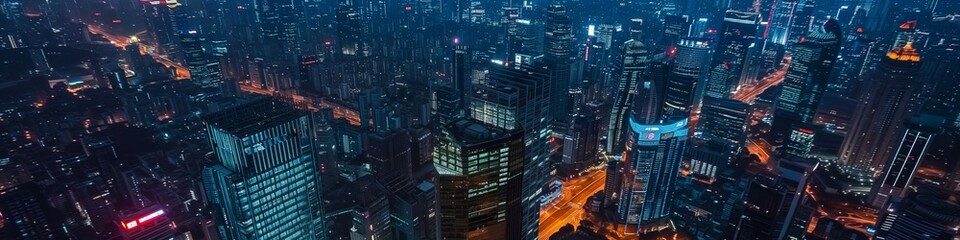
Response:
column 253, row 117
column 471, row 131
column 906, row 53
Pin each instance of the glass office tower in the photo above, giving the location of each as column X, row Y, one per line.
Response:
column 264, row 181
column 480, row 175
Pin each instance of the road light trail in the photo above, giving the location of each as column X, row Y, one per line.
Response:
column 569, row 208
column 750, row 93
column 121, row 41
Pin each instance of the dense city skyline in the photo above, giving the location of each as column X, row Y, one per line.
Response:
column 479, row 119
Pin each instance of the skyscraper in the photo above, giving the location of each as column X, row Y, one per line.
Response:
column 909, row 151
column 854, row 54
column 806, row 79
column 204, row 71
column 653, row 151
column 279, row 23
column 461, row 76
column 881, row 110
column 725, row 120
column 736, row 35
column 350, row 32
column 680, row 94
column 634, row 67
column 532, row 87
column 447, row 102
column 650, row 170
column 581, row 141
column 558, row 55
column 788, row 20
column 674, row 28
column 496, row 105
column 480, row 169
column 264, row 182
column 923, row 215
column 777, row 207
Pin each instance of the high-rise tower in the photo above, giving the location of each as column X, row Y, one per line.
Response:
column 683, row 82
column 909, row 151
column 806, row 79
column 496, row 104
column 558, row 55
column 634, row 67
column 881, row 110
column 737, row 33
column 480, row 168
column 264, row 182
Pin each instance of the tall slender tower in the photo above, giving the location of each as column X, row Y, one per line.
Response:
column 264, row 182
column 634, row 67
column 558, row 55
column 881, row 110
column 654, row 148
column 806, row 79
column 528, row 107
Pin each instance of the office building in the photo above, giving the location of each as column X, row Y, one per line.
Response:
column 787, row 21
column 650, row 171
column 264, row 182
column 800, row 140
column 909, row 151
column 777, row 206
column 446, row 104
column 737, row 33
column 280, row 29
column 674, row 28
column 724, row 120
column 532, row 87
column 461, row 76
column 854, row 54
column 413, row 207
column 581, row 143
column 388, row 154
column 204, row 71
column 710, row 158
column 558, row 56
column 806, row 80
column 881, row 110
column 496, row 105
column 927, row 214
column 634, row 68
column 480, row 168
column 25, row 214
column 350, row 32
column 682, row 90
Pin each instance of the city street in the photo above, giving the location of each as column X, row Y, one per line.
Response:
column 121, row 41
column 568, row 208
column 750, row 93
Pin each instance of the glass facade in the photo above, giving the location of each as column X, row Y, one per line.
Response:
column 653, row 159
column 264, row 183
column 480, row 172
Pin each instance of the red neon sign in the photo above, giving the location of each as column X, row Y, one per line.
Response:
column 133, row 224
